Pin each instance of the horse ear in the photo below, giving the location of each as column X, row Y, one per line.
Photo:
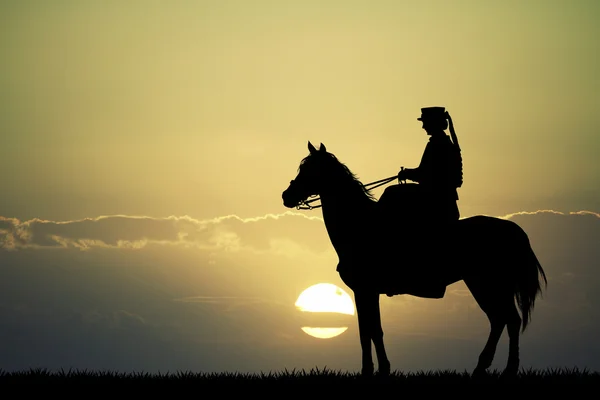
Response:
column 311, row 148
column 322, row 148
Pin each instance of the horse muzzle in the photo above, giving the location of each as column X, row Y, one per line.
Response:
column 292, row 198
column 287, row 199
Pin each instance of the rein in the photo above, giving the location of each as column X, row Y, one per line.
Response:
column 305, row 204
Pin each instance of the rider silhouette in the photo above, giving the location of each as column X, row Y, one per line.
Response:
column 440, row 172
column 428, row 208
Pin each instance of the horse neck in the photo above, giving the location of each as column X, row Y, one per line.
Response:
column 344, row 193
column 345, row 208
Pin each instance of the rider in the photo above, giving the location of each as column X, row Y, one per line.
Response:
column 440, row 172
column 435, row 195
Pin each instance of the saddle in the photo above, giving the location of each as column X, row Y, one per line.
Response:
column 411, row 212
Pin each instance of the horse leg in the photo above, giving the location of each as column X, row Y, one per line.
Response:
column 497, row 323
column 369, row 325
column 488, row 302
column 377, row 337
column 364, row 333
column 513, row 327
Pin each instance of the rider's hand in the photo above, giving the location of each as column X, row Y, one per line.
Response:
column 402, row 175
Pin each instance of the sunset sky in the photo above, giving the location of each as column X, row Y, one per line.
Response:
column 145, row 146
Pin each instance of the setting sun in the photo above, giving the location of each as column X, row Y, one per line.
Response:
column 323, row 298
column 324, row 333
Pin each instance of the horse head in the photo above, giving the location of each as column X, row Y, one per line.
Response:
column 309, row 180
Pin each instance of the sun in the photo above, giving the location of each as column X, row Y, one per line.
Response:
column 324, row 333
column 325, row 297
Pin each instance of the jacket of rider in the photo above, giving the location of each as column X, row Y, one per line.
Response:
column 438, row 172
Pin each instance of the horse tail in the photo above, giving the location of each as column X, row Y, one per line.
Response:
column 529, row 281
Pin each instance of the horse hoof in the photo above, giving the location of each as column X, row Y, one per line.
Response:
column 479, row 373
column 509, row 374
column 367, row 371
column 384, row 371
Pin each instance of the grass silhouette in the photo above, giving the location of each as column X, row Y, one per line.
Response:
column 321, row 376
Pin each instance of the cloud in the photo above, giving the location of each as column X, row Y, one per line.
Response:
column 228, row 233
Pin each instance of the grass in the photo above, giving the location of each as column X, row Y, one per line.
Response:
column 314, row 376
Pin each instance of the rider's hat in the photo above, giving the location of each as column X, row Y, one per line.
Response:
column 433, row 113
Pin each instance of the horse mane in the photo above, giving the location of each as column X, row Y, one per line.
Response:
column 344, row 171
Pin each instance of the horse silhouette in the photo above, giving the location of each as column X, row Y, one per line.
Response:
column 493, row 257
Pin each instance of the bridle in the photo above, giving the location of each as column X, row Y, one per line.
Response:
column 305, row 204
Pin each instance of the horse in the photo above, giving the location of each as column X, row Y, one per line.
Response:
column 492, row 256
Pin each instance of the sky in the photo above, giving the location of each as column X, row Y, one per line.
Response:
column 145, row 145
